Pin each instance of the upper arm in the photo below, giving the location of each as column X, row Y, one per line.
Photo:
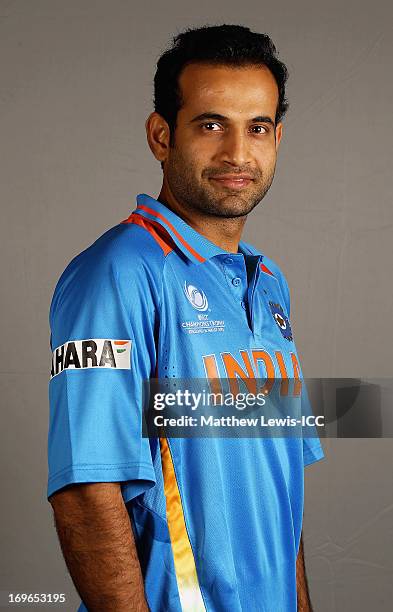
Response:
column 102, row 339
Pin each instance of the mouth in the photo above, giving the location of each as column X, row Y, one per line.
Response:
column 233, row 181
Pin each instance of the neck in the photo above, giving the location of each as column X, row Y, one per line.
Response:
column 225, row 233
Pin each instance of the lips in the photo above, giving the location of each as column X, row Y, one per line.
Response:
column 233, row 181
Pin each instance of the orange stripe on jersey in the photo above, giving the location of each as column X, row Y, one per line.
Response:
column 174, row 230
column 154, row 228
column 186, row 575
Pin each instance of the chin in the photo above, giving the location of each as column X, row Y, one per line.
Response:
column 237, row 208
column 233, row 211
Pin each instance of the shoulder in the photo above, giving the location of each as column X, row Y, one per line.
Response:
column 124, row 247
column 125, row 260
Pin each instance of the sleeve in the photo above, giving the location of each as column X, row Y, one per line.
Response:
column 312, row 451
column 312, row 448
column 101, row 354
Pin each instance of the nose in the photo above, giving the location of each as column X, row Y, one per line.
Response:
column 235, row 148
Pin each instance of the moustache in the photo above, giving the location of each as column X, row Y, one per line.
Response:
column 213, row 172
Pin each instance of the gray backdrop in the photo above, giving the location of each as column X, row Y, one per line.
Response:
column 75, row 89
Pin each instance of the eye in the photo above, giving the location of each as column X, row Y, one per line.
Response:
column 259, row 129
column 211, row 126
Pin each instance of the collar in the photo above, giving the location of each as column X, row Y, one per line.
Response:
column 193, row 244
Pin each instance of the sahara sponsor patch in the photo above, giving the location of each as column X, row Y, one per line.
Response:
column 92, row 353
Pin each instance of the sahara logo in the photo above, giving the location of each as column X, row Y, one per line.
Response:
column 93, row 353
column 196, row 297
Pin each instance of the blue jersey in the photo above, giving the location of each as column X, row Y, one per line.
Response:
column 217, row 520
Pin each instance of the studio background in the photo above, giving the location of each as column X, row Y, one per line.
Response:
column 75, row 90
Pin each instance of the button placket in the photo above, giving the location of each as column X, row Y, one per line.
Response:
column 238, row 278
column 251, row 291
column 234, row 268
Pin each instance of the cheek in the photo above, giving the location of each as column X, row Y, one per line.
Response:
column 196, row 159
column 266, row 157
column 201, row 146
column 200, row 153
column 184, row 166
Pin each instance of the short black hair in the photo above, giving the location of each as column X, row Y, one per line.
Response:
column 231, row 45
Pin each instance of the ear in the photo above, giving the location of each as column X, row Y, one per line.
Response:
column 158, row 136
column 278, row 134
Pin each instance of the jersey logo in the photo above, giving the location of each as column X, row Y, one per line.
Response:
column 282, row 320
column 196, row 297
column 93, row 353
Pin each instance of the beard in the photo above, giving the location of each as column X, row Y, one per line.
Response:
column 203, row 197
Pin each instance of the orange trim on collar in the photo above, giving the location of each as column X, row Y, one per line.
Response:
column 154, row 228
column 174, row 230
column 265, row 269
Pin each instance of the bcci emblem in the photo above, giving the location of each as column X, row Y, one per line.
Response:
column 196, row 297
column 281, row 320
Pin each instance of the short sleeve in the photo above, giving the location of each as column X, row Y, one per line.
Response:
column 102, row 342
column 312, row 451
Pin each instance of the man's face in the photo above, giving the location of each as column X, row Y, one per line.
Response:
column 223, row 158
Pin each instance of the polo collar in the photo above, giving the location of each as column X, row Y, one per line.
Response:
column 194, row 245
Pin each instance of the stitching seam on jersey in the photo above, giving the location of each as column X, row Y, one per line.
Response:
column 101, row 466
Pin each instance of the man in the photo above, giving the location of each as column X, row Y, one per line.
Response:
column 172, row 523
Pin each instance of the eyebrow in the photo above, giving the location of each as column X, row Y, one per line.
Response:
column 218, row 117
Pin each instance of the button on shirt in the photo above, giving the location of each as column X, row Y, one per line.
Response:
column 217, row 520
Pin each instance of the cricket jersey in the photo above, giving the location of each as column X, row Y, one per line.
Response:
column 217, row 519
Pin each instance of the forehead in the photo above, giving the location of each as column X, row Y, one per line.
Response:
column 243, row 91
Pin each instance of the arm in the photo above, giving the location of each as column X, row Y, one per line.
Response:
column 98, row 545
column 303, row 597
